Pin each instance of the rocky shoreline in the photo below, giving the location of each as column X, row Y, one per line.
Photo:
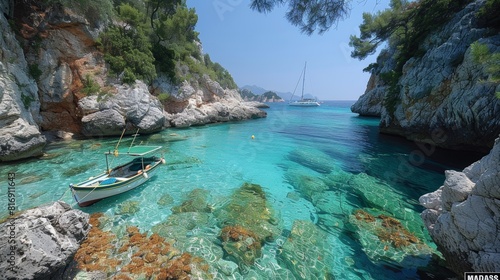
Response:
column 463, row 216
column 46, row 239
column 44, row 68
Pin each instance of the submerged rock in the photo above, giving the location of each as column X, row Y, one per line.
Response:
column 463, row 215
column 249, row 209
column 196, row 202
column 45, row 240
column 305, row 184
column 165, row 200
column 127, row 207
column 136, row 256
column 385, row 239
column 305, row 252
column 377, row 194
column 177, row 226
column 241, row 244
column 313, row 159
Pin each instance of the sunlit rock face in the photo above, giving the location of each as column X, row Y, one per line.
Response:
column 444, row 96
column 371, row 103
column 47, row 237
column 463, row 215
column 206, row 102
column 20, row 135
column 59, row 46
column 131, row 107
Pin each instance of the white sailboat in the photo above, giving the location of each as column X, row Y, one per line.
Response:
column 307, row 102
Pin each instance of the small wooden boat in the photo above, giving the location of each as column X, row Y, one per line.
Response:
column 121, row 178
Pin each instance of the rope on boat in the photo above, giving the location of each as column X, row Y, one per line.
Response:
column 133, row 140
column 60, row 198
column 115, row 152
column 72, row 205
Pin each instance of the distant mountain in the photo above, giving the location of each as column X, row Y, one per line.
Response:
column 284, row 95
column 255, row 89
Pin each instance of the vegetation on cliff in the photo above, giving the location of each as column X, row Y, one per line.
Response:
column 403, row 26
column 144, row 39
column 482, row 54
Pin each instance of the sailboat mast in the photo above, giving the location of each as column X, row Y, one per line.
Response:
column 303, row 80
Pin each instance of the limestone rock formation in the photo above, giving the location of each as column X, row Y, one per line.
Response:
column 46, row 238
column 463, row 216
column 209, row 103
column 443, row 97
column 131, row 107
column 371, row 103
column 60, row 48
column 20, row 136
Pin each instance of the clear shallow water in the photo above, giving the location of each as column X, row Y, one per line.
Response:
column 340, row 153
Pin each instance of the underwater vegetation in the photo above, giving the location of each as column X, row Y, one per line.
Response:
column 136, row 255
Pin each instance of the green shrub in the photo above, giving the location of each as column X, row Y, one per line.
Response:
column 27, row 100
column 128, row 76
column 90, row 86
column 482, row 55
column 163, row 96
column 35, row 71
column 127, row 47
column 489, row 14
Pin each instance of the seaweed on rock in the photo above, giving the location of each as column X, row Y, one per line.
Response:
column 135, row 256
column 241, row 244
column 385, row 239
column 196, row 202
column 260, row 220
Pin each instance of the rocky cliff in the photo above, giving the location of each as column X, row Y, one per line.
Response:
column 444, row 91
column 48, row 63
column 463, row 216
column 20, row 136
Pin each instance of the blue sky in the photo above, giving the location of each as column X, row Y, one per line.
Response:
column 267, row 51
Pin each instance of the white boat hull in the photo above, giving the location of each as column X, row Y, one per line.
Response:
column 92, row 190
column 304, row 104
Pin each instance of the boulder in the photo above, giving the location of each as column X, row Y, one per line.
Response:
column 465, row 228
column 45, row 240
column 456, row 188
column 306, row 239
column 214, row 112
column 131, row 107
column 103, row 123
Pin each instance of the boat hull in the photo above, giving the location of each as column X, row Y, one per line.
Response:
column 91, row 191
column 304, row 104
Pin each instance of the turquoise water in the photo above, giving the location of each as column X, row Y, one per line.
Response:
column 317, row 167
